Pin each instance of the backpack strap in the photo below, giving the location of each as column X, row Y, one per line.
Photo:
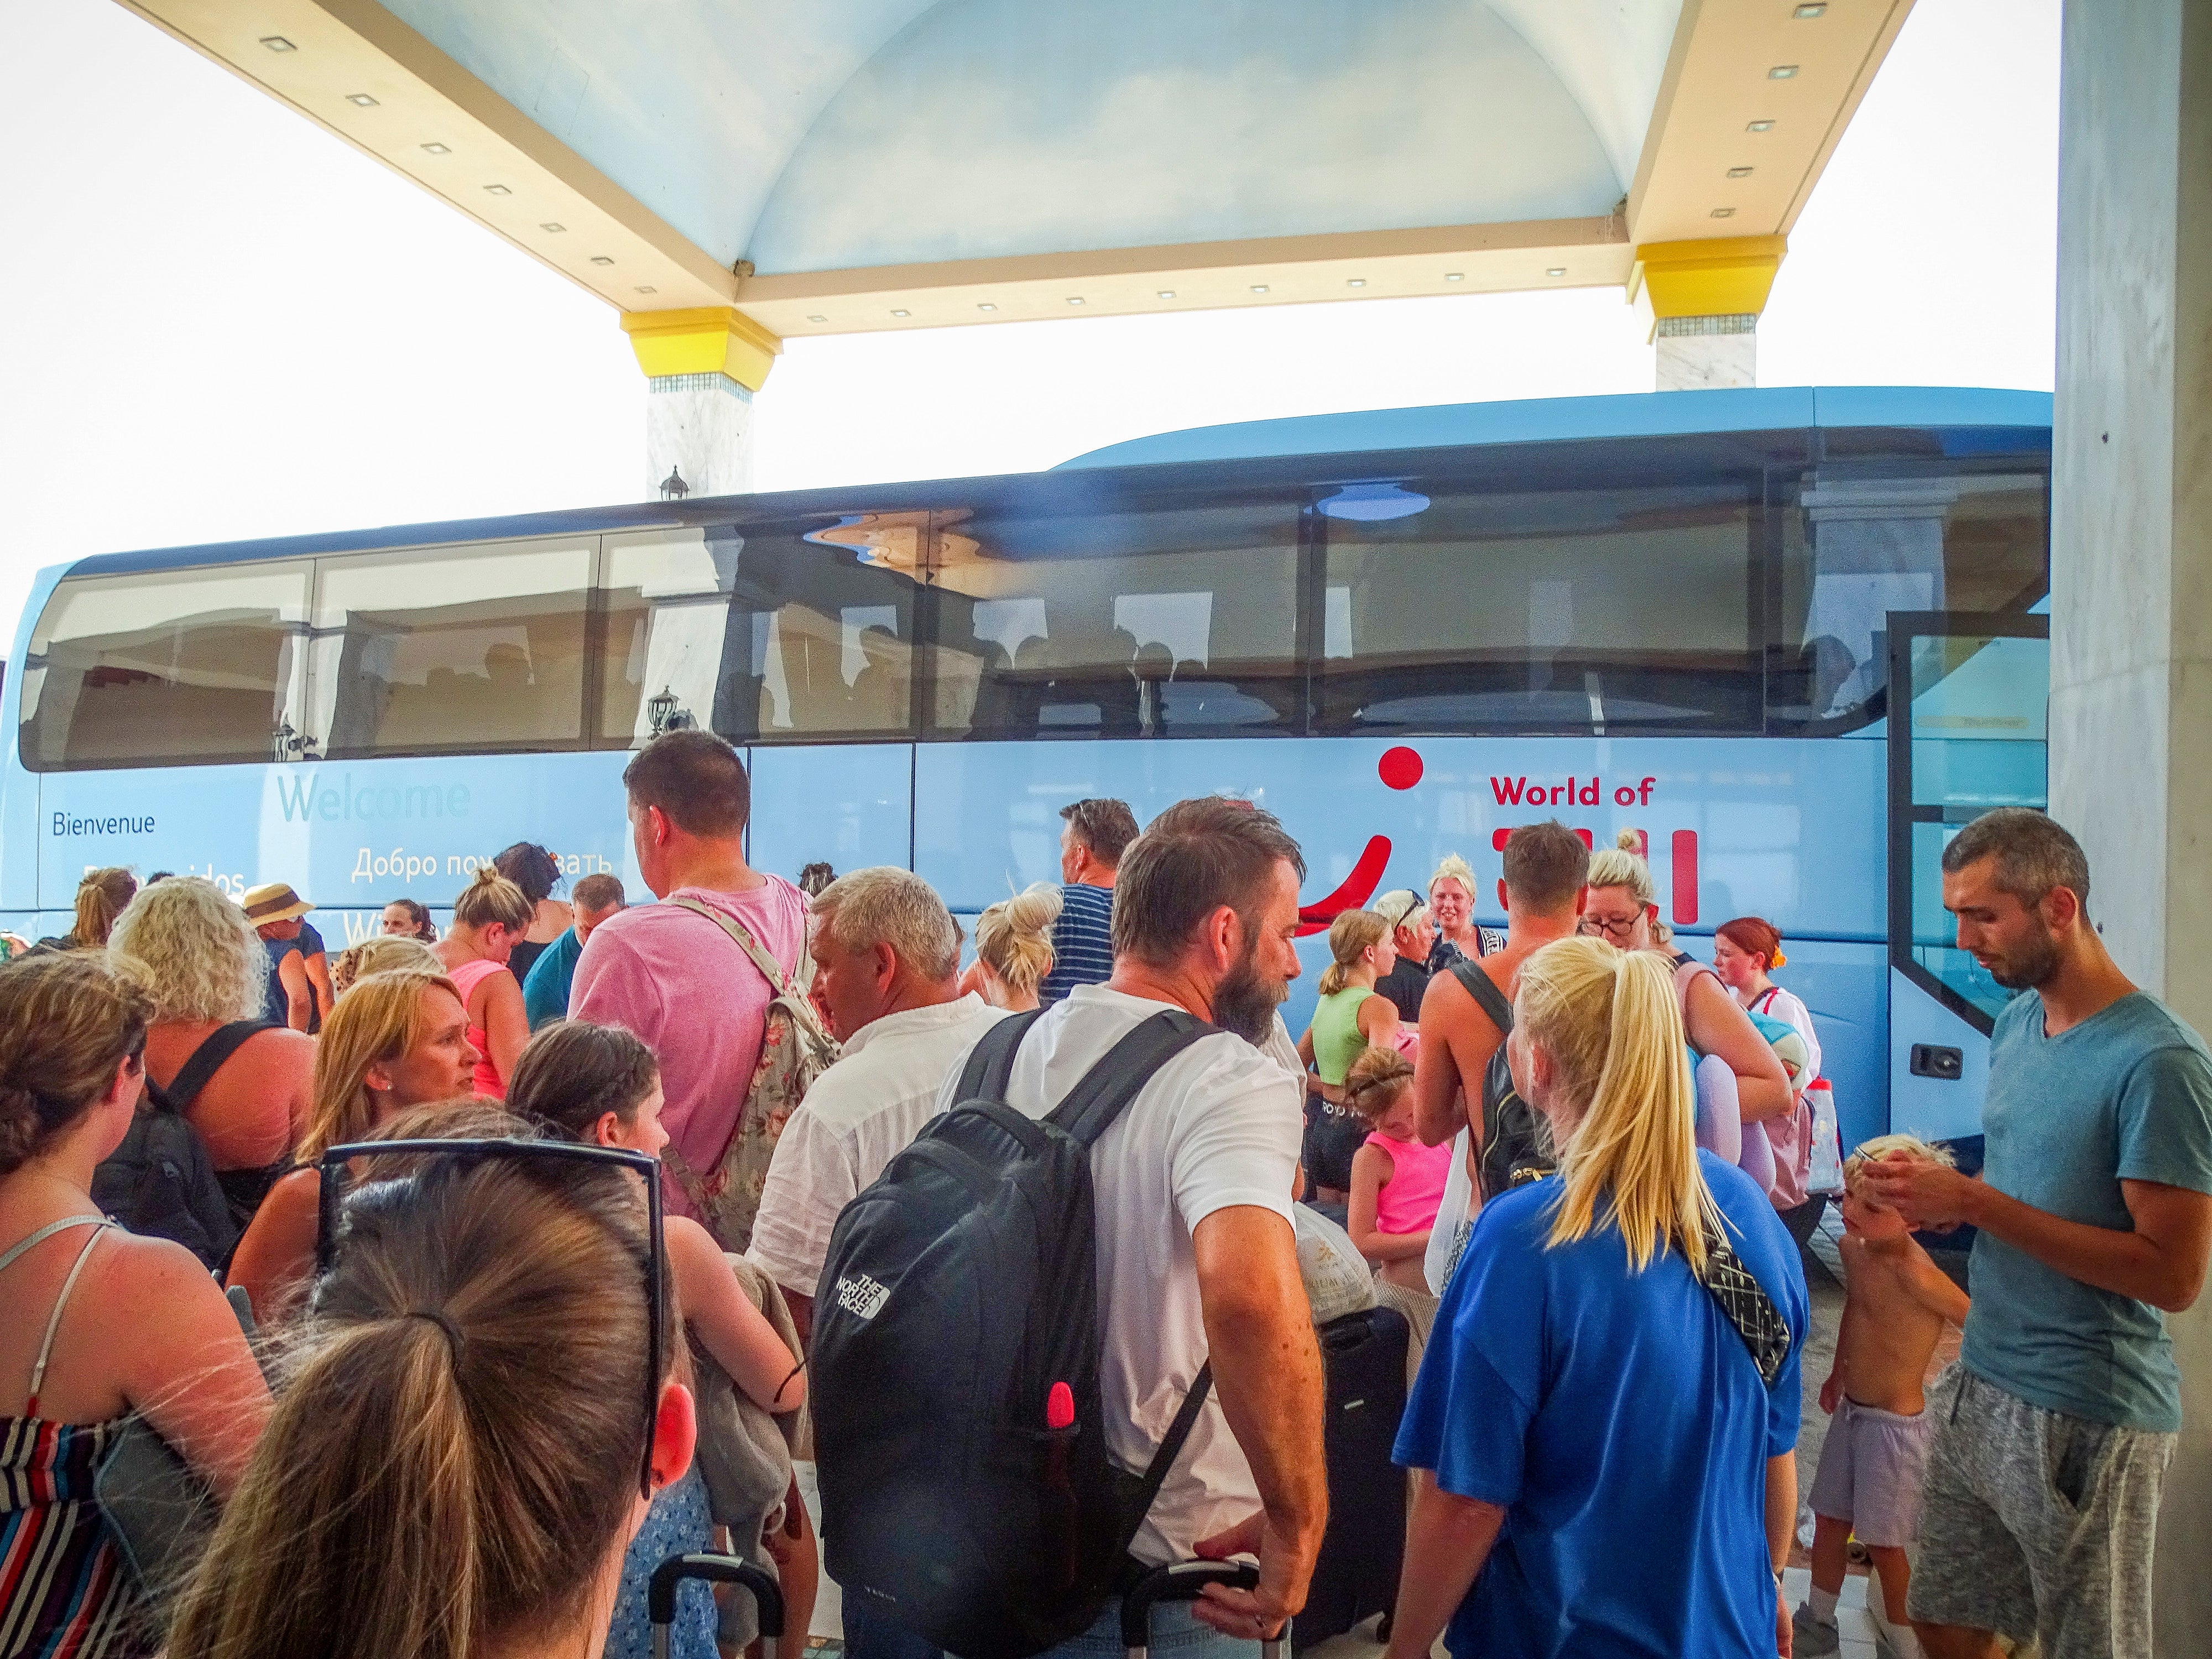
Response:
column 991, row 1061
column 204, row 1061
column 771, row 971
column 1091, row 1107
column 1483, row 989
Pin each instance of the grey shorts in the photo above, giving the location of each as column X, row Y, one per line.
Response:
column 1870, row 1473
column 2037, row 1524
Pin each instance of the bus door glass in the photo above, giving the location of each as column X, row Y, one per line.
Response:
column 1970, row 736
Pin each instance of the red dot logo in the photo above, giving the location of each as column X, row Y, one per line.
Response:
column 1400, row 768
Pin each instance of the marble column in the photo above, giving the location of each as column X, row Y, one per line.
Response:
column 1700, row 354
column 698, row 431
column 2131, row 578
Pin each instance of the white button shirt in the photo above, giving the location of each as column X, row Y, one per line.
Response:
column 859, row 1113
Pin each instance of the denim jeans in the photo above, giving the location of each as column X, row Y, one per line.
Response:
column 1175, row 1633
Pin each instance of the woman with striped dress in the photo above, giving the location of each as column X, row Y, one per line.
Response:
column 102, row 1326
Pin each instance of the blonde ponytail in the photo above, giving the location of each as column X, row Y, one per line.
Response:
column 1351, row 936
column 1610, row 1021
column 1014, row 937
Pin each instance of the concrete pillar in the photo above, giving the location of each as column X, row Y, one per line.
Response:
column 2131, row 577
column 1703, row 299
column 702, row 367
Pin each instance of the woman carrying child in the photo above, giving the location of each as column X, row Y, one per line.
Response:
column 1397, row 1186
column 599, row 1085
column 1746, row 953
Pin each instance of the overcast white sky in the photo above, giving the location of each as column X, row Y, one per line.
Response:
column 217, row 321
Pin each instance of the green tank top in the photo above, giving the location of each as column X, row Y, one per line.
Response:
column 1336, row 1037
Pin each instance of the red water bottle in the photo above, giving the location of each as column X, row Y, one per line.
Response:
column 1059, row 1509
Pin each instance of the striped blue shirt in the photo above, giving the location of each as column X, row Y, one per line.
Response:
column 1082, row 942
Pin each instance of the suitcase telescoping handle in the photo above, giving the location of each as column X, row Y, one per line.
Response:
column 1182, row 1582
column 660, row 1595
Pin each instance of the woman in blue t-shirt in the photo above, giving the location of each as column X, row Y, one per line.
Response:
column 1604, row 1423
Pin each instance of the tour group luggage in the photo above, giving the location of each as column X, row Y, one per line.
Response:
column 767, row 1594
column 1363, row 1358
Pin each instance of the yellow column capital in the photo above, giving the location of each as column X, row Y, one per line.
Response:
column 702, row 340
column 1718, row 276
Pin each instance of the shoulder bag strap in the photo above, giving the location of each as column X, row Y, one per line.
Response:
column 1483, row 989
column 1766, row 1002
column 1093, row 1104
column 1155, row 1472
column 208, row 1058
column 770, row 969
column 991, row 1061
column 1745, row 1303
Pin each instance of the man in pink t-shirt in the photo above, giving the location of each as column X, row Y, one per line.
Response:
column 670, row 975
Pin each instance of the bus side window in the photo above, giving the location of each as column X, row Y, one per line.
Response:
column 166, row 667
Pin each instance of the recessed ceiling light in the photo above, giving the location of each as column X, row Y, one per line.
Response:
column 362, row 99
column 437, row 149
column 1739, row 172
column 277, row 43
column 1259, row 288
column 1355, row 282
column 1555, row 270
column 497, row 189
column 646, row 287
column 817, row 320
column 895, row 312
column 1166, row 293
column 985, row 304
column 601, row 259
column 1760, row 126
column 1455, row 276
column 1075, row 299
column 549, row 225
column 1810, row 10
column 1782, row 72
column 1723, row 213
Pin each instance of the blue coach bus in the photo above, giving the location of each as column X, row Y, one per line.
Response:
column 1688, row 614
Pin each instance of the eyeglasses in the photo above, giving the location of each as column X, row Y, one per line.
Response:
column 333, row 1168
column 1594, row 926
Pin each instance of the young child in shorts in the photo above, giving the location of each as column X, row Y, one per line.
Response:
column 1896, row 1301
column 1397, row 1184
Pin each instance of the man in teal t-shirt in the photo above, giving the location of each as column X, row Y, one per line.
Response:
column 2094, row 1208
column 545, row 992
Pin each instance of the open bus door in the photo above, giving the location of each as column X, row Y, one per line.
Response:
column 1968, row 698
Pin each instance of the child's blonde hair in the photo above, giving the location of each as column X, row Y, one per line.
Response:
column 1869, row 1151
column 1373, row 1082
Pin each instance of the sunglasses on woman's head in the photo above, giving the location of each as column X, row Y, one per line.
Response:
column 333, row 1168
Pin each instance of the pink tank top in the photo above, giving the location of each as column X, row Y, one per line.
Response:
column 486, row 1080
column 1408, row 1201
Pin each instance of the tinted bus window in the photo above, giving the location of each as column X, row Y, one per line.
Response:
column 164, row 668
column 1865, row 539
column 789, row 632
column 1099, row 621
column 447, row 650
column 1565, row 611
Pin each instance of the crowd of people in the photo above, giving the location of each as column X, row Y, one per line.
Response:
column 464, row 1278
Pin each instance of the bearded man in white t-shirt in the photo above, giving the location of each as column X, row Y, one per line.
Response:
column 1196, row 1255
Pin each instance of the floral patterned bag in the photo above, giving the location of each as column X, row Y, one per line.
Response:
column 794, row 1051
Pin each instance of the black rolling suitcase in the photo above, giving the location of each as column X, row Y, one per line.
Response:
column 1183, row 1581
column 1363, row 1355
column 767, row 1594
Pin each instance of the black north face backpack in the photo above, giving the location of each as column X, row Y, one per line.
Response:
column 960, row 1290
